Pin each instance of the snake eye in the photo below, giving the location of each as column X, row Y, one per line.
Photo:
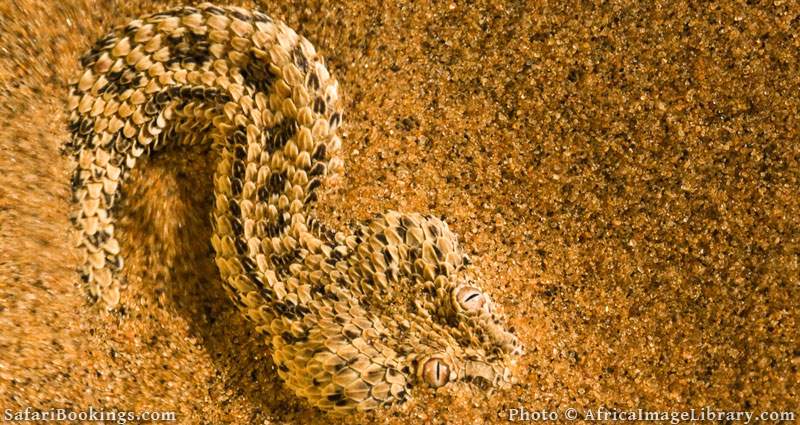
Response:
column 471, row 299
column 435, row 372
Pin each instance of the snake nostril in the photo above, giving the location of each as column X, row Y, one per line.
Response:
column 435, row 372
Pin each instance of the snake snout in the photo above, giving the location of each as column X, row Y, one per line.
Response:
column 502, row 338
column 486, row 376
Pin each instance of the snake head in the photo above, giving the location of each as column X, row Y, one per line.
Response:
column 452, row 331
column 480, row 350
column 408, row 314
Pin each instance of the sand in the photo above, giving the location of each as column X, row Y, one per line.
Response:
column 624, row 175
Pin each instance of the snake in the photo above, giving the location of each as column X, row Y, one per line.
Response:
column 355, row 318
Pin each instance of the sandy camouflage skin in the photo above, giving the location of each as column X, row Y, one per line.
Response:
column 354, row 318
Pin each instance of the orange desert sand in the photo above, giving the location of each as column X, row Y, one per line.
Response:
column 624, row 175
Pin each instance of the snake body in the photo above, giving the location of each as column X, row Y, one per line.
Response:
column 354, row 319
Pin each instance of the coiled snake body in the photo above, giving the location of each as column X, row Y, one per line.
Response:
column 354, row 318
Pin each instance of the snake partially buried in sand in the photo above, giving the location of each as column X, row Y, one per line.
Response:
column 354, row 319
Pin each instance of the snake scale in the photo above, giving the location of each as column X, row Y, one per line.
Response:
column 354, row 319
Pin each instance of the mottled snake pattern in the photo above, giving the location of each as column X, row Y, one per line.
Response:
column 354, row 319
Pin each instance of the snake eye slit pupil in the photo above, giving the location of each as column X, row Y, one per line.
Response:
column 435, row 372
column 470, row 299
